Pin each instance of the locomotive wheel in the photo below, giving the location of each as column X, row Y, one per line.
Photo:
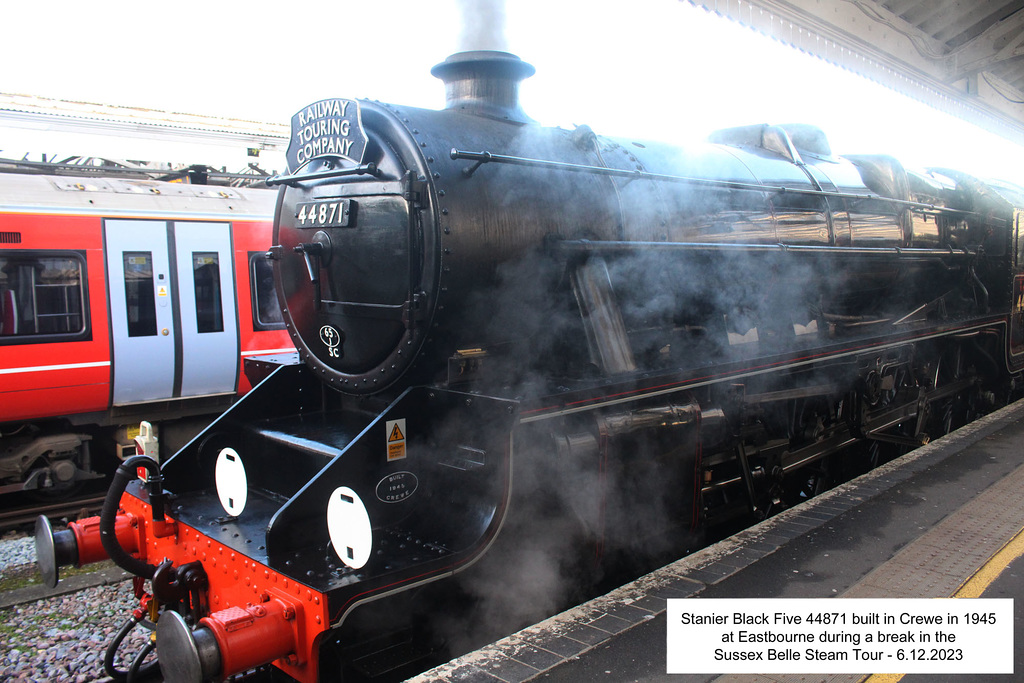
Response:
column 812, row 482
column 959, row 409
column 880, row 453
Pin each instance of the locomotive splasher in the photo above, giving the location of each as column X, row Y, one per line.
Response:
column 534, row 355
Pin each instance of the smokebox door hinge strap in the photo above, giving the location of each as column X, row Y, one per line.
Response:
column 414, row 310
column 413, row 189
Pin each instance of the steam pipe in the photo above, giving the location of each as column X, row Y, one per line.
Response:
column 668, row 415
column 608, row 246
column 485, row 157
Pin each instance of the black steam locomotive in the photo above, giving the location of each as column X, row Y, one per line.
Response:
column 534, row 359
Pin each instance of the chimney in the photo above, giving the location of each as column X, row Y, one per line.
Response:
column 485, row 83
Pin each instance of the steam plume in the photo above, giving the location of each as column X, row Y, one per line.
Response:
column 483, row 25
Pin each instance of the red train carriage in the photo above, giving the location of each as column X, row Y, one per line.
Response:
column 120, row 300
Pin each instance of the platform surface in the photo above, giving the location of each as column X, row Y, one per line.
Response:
column 942, row 521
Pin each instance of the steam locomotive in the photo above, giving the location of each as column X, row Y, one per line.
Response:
column 122, row 299
column 535, row 359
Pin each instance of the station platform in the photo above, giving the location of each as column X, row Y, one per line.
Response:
column 946, row 520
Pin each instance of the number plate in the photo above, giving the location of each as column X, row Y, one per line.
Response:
column 332, row 213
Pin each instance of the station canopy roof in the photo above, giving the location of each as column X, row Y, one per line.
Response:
column 964, row 57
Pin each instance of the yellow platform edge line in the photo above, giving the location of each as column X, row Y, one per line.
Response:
column 974, row 586
column 980, row 580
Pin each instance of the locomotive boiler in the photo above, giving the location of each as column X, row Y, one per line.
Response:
column 535, row 360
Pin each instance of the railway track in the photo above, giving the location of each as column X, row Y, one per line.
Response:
column 76, row 508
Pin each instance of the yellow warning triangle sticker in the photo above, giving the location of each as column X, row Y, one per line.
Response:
column 396, row 435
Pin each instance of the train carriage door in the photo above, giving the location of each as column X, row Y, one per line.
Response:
column 172, row 308
column 206, row 292
column 141, row 315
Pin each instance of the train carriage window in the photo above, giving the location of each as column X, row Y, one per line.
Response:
column 206, row 275
column 266, row 312
column 139, row 294
column 42, row 294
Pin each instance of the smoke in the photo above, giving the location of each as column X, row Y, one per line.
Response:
column 585, row 507
column 581, row 521
column 483, row 25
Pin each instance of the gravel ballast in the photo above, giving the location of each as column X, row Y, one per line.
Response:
column 61, row 638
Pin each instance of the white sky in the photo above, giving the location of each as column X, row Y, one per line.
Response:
column 646, row 69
